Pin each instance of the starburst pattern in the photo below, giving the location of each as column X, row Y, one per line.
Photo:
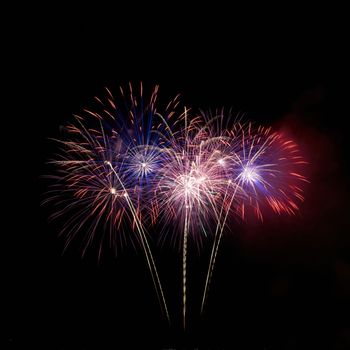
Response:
column 127, row 165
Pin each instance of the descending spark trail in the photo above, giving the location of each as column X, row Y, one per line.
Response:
column 216, row 243
column 267, row 169
column 148, row 253
column 184, row 267
column 126, row 165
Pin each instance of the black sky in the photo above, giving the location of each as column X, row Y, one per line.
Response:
column 280, row 285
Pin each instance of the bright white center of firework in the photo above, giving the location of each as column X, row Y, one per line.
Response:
column 249, row 174
column 221, row 162
column 191, row 184
column 113, row 190
column 188, row 189
column 188, row 185
column 145, row 167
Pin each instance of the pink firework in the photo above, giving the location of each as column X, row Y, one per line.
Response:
column 194, row 190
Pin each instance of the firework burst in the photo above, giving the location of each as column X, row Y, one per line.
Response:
column 105, row 169
column 126, row 165
column 193, row 189
column 266, row 168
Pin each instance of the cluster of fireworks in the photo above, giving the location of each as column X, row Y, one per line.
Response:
column 126, row 166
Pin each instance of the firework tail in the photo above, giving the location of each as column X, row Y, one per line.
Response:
column 184, row 247
column 217, row 239
column 184, row 268
column 148, row 254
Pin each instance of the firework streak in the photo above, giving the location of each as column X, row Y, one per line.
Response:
column 126, row 166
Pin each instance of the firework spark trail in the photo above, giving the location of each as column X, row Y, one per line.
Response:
column 184, row 268
column 261, row 160
column 148, row 253
column 217, row 239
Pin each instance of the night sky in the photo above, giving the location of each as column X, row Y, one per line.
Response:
column 281, row 284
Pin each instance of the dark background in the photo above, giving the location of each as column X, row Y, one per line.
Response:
column 283, row 284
